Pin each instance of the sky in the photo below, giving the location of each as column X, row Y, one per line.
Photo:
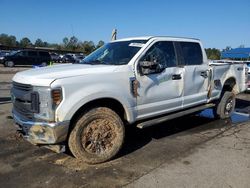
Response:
column 216, row 23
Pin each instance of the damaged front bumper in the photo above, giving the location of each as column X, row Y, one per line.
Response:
column 42, row 132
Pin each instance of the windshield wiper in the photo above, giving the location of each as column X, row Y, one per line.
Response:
column 95, row 62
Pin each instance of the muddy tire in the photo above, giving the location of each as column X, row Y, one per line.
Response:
column 225, row 106
column 97, row 136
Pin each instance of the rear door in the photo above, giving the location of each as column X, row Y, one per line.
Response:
column 159, row 93
column 32, row 58
column 196, row 74
column 44, row 57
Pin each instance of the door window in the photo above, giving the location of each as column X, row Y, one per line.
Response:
column 21, row 53
column 192, row 53
column 163, row 53
column 44, row 54
column 32, row 53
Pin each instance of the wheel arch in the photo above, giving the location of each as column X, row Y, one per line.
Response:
column 229, row 85
column 111, row 103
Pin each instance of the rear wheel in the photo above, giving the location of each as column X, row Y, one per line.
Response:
column 226, row 106
column 44, row 64
column 9, row 64
column 97, row 136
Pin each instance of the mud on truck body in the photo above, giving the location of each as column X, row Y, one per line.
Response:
column 140, row 81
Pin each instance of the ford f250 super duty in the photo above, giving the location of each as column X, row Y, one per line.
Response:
column 141, row 81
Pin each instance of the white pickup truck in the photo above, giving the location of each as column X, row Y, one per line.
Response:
column 140, row 81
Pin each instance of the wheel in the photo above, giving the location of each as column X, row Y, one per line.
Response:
column 44, row 64
column 225, row 107
column 9, row 64
column 97, row 136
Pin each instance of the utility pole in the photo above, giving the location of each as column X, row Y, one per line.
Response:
column 114, row 33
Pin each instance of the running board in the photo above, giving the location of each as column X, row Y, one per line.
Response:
column 172, row 116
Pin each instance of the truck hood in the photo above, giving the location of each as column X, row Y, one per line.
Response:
column 44, row 76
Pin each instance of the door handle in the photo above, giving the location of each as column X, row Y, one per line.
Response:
column 204, row 74
column 176, row 77
column 240, row 69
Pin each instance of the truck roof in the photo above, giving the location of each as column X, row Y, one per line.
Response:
column 158, row 37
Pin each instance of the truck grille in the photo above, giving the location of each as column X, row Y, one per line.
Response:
column 23, row 87
column 23, row 109
column 22, row 103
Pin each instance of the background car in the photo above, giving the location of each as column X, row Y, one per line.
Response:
column 3, row 53
column 27, row 57
column 79, row 57
column 68, row 58
column 54, row 57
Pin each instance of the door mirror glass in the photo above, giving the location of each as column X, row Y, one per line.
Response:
column 150, row 67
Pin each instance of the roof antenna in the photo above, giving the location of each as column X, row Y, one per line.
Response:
column 114, row 33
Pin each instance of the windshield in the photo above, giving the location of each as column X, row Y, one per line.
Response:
column 114, row 53
column 13, row 52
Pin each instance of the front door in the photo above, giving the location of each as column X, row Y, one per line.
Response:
column 20, row 58
column 161, row 92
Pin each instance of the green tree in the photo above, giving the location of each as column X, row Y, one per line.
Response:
column 46, row 44
column 7, row 40
column 25, row 42
column 213, row 53
column 39, row 43
column 12, row 41
column 73, row 43
column 100, row 43
column 88, row 47
column 227, row 49
column 65, row 41
column 3, row 39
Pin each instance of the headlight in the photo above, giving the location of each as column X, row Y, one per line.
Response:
column 45, row 103
column 49, row 99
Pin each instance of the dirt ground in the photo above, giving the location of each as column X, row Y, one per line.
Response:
column 192, row 151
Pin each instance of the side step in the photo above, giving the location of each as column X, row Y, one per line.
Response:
column 151, row 122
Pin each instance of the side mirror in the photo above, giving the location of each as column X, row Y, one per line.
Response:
column 150, row 67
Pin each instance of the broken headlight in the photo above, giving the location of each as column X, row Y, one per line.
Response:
column 45, row 104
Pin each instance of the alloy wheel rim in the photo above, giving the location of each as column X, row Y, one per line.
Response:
column 229, row 106
column 99, row 137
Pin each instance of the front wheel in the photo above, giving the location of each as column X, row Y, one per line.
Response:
column 9, row 64
column 97, row 136
column 226, row 106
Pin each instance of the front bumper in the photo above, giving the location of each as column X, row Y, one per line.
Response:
column 42, row 132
